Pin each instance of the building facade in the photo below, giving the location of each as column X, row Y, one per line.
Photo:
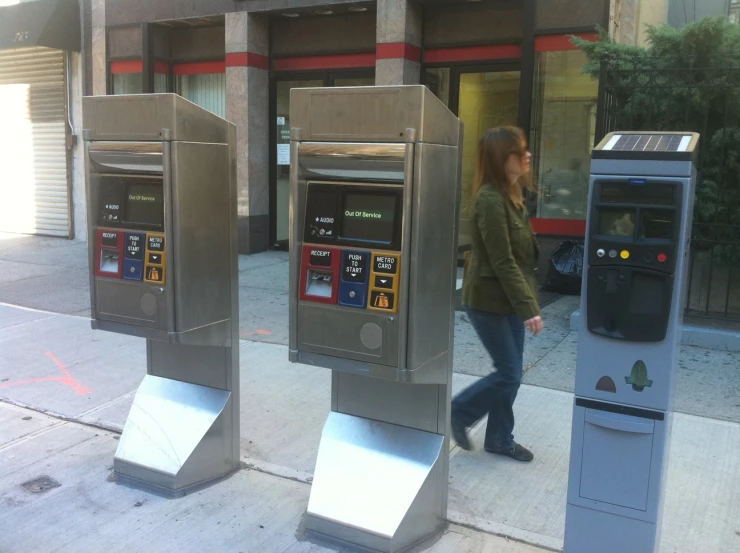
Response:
column 41, row 84
column 492, row 62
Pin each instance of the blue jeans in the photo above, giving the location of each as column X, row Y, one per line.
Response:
column 503, row 338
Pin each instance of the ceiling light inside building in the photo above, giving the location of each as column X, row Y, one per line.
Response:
column 357, row 9
column 290, row 14
column 323, row 12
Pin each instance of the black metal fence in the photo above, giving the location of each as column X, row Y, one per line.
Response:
column 642, row 96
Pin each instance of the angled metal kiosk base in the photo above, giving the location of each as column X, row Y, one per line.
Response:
column 377, row 484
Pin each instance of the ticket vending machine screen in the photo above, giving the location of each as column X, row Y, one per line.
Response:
column 369, row 217
column 144, row 204
column 135, row 202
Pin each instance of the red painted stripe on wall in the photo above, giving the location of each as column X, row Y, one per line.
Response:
column 398, row 50
column 162, row 67
column 342, row 61
column 560, row 43
column 128, row 66
column 199, row 68
column 473, row 53
column 247, row 59
column 559, row 227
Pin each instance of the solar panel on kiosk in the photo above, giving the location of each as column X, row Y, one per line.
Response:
column 650, row 143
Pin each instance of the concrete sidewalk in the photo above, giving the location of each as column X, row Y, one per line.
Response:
column 51, row 274
column 55, row 364
column 250, row 512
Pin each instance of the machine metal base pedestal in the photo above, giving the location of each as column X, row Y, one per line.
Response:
column 377, row 485
column 177, row 437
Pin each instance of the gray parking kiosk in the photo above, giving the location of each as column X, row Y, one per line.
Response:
column 375, row 189
column 163, row 258
column 634, row 286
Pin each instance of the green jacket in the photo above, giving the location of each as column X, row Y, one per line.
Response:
column 500, row 272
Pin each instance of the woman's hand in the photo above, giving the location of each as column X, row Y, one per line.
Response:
column 534, row 325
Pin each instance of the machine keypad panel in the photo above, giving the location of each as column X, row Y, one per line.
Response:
column 133, row 256
column 633, row 249
column 635, row 222
column 357, row 279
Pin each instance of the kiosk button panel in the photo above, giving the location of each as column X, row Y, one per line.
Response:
column 358, row 279
column 133, row 256
column 385, row 278
column 154, row 267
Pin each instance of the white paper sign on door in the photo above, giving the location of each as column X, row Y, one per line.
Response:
column 283, row 154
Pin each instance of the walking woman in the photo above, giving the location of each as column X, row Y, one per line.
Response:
column 499, row 290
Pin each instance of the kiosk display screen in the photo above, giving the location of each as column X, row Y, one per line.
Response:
column 657, row 224
column 144, row 204
column 644, row 193
column 369, row 217
column 617, row 222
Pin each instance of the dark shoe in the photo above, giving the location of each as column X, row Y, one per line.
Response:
column 518, row 452
column 460, row 434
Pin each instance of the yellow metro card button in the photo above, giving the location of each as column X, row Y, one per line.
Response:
column 624, row 254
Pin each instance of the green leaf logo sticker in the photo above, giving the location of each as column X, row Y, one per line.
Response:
column 639, row 377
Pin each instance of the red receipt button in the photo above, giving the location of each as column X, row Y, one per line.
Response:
column 662, row 257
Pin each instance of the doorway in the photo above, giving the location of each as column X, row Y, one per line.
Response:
column 280, row 138
column 482, row 96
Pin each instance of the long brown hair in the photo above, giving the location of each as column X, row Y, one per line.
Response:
column 494, row 149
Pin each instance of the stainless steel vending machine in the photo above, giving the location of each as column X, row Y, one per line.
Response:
column 634, row 288
column 163, row 266
column 375, row 190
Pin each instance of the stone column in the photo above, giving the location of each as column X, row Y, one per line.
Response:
column 247, row 106
column 99, row 70
column 398, row 52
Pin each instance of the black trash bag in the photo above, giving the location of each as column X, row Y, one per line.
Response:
column 565, row 269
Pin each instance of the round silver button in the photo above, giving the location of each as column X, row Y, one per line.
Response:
column 600, row 252
column 351, row 294
column 612, row 253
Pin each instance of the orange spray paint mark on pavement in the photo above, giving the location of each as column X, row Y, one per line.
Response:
column 259, row 332
column 67, row 379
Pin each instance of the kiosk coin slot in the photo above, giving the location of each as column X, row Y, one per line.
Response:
column 639, row 222
column 375, row 186
column 162, row 212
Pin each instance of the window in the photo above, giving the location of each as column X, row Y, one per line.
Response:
column 127, row 83
column 126, row 77
column 562, row 133
column 437, row 80
column 208, row 90
column 734, row 11
column 161, row 76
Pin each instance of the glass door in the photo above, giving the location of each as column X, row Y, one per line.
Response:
column 282, row 159
column 280, row 187
column 483, row 99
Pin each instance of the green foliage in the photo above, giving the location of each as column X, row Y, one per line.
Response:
column 687, row 79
